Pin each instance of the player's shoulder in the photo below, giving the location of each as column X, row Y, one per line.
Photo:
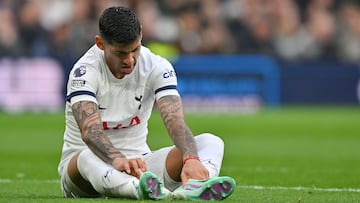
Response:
column 92, row 56
column 91, row 60
column 152, row 61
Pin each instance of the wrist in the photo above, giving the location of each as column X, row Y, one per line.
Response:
column 190, row 158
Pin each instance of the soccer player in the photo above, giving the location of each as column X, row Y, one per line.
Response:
column 110, row 96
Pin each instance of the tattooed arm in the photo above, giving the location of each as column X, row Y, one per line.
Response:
column 87, row 116
column 171, row 112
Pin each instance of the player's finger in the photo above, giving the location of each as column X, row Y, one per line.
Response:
column 142, row 165
column 127, row 168
column 140, row 172
column 134, row 166
column 184, row 178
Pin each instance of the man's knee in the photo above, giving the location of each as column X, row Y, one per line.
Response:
column 209, row 140
column 211, row 152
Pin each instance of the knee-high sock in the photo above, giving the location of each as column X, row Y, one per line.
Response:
column 211, row 152
column 105, row 179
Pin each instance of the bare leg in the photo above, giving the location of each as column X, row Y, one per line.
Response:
column 174, row 164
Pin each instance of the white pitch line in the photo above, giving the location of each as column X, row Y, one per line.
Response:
column 28, row 180
column 258, row 187
column 5, row 180
column 254, row 187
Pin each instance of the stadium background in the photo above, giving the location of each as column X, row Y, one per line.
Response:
column 282, row 77
column 313, row 46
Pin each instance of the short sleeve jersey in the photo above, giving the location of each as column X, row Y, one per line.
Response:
column 125, row 104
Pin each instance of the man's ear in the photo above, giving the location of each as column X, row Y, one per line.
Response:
column 99, row 42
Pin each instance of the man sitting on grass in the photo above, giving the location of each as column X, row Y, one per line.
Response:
column 110, row 97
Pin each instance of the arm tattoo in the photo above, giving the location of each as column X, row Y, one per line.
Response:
column 171, row 112
column 87, row 116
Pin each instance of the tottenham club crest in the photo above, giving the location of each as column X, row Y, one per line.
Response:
column 80, row 71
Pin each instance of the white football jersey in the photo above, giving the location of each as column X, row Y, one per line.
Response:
column 125, row 104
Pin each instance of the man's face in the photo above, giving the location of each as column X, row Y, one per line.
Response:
column 120, row 58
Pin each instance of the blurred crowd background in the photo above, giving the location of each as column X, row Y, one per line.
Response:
column 315, row 43
column 286, row 29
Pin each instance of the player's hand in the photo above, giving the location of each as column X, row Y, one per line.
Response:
column 134, row 167
column 193, row 169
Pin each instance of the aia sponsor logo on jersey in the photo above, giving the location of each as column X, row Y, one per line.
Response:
column 80, row 71
column 168, row 74
column 115, row 126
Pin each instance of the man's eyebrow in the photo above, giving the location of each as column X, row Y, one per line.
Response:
column 121, row 52
column 126, row 52
column 136, row 48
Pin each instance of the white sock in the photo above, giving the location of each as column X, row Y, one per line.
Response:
column 211, row 152
column 105, row 179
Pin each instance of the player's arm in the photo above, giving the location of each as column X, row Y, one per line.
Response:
column 87, row 116
column 171, row 111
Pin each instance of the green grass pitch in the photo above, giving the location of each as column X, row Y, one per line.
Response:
column 291, row 154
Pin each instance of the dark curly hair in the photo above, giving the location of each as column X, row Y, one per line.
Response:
column 120, row 25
